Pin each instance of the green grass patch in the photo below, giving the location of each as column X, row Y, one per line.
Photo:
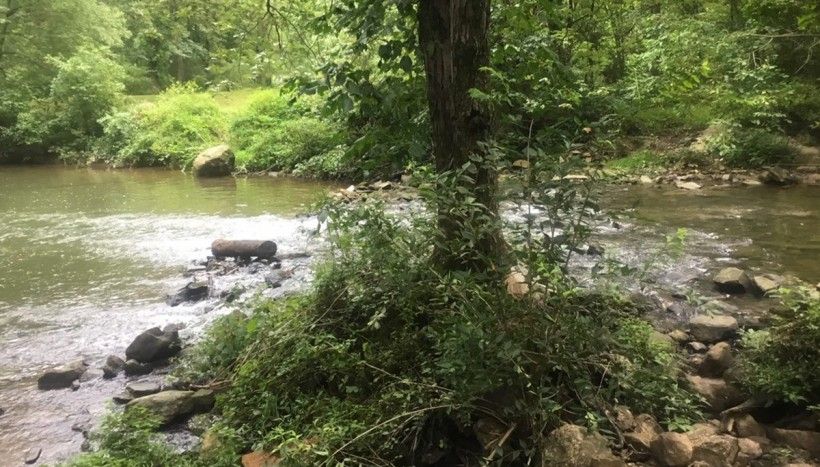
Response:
column 638, row 161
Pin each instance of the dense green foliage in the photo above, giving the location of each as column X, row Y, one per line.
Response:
column 783, row 361
column 579, row 76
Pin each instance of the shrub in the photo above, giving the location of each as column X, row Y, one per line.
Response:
column 276, row 133
column 388, row 359
column 783, row 361
column 748, row 147
column 171, row 131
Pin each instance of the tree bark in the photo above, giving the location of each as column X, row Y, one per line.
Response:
column 263, row 249
column 453, row 36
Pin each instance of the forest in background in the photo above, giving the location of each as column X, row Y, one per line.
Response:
column 336, row 88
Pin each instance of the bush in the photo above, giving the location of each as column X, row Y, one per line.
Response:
column 388, row 359
column 748, row 147
column 87, row 86
column 783, row 362
column 276, row 133
column 171, row 131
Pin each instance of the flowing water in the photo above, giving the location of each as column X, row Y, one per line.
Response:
column 87, row 256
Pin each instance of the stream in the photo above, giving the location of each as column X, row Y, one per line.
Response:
column 87, row 257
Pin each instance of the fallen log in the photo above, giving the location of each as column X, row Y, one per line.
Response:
column 262, row 249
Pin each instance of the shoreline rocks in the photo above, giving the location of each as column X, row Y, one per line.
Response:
column 61, row 377
column 712, row 328
column 153, row 345
column 218, row 161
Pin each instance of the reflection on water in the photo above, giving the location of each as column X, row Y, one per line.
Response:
column 86, row 257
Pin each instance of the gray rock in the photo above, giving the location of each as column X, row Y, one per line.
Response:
column 574, row 445
column 82, row 427
column 142, row 388
column 135, row 368
column 733, row 281
column 640, row 439
column 217, row 161
column 75, row 385
column 799, row 439
column 192, row 292
column 123, row 397
column 61, row 377
column 767, row 283
column 167, row 405
column 672, row 450
column 112, row 367
column 714, row 328
column 678, row 336
column 717, row 360
column 778, row 176
column 203, row 400
column 745, row 426
column 91, row 374
column 153, row 345
column 696, row 347
column 32, row 455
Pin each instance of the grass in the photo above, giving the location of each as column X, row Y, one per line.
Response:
column 636, row 162
column 231, row 103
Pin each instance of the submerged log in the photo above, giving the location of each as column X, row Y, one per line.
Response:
column 263, row 249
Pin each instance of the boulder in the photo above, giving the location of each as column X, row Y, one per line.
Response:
column 641, row 437
column 748, row 450
column 260, row 459
column 217, row 161
column 142, row 388
column 696, row 347
column 574, row 445
column 135, row 368
column 167, row 405
column 623, row 418
column 718, row 393
column 123, row 397
column 717, row 451
column 112, row 367
column 733, row 281
column 717, row 360
column 799, row 439
column 688, row 185
column 678, row 336
column 153, row 345
column 777, row 176
column 712, row 328
column 703, row 430
column 192, row 292
column 745, row 426
column 767, row 283
column 61, row 377
column 672, row 450
column 203, row 400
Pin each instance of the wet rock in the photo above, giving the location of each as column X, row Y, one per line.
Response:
column 672, row 450
column 767, row 283
column 733, row 281
column 192, row 292
column 717, row 360
column 123, row 397
column 717, row 451
column 153, row 345
column 274, row 279
column 203, row 400
column 75, row 385
column 799, row 439
column 217, row 161
column 91, row 374
column 745, row 426
column 721, row 307
column 113, row 365
column 640, row 439
column 61, row 377
column 778, row 176
column 260, row 459
column 719, row 394
column 142, row 388
column 32, row 455
column 167, row 405
column 574, row 445
column 714, row 328
column 85, row 446
column 135, row 368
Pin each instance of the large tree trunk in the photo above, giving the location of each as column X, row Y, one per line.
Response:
column 453, row 36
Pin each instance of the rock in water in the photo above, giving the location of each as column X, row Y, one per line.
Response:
column 733, row 281
column 61, row 377
column 32, row 455
column 135, row 368
column 152, row 345
column 113, row 365
column 192, row 292
column 217, row 161
column 142, row 388
column 778, row 176
column 767, row 283
column 714, row 328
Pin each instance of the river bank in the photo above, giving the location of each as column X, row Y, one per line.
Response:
column 174, row 228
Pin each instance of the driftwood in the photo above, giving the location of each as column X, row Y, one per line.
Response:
column 262, row 249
